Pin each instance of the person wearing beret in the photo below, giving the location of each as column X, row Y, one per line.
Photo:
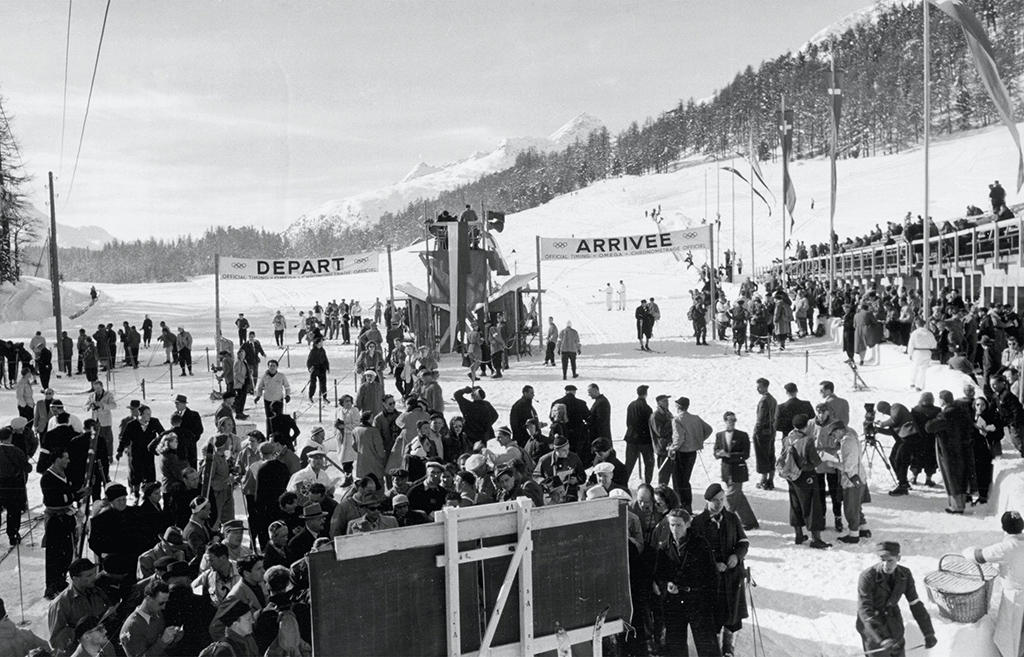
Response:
column 724, row 533
column 1008, row 556
column 879, row 589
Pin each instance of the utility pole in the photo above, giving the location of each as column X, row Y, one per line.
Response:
column 54, row 268
column 926, row 265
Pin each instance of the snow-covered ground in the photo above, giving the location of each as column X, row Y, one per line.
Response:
column 805, row 599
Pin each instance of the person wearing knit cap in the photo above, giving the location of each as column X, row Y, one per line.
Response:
column 798, row 459
column 111, row 531
column 879, row 590
column 1008, row 554
column 724, row 533
column 195, row 534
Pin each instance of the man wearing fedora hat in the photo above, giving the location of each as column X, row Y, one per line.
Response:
column 371, row 520
column 313, row 523
column 192, row 423
column 186, row 609
column 171, row 544
column 562, row 463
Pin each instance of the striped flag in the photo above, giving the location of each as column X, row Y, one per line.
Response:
column 458, row 272
column 984, row 60
column 788, row 191
column 752, row 188
column 836, row 94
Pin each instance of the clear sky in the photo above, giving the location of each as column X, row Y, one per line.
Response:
column 228, row 112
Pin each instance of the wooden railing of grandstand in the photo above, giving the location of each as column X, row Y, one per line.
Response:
column 966, row 250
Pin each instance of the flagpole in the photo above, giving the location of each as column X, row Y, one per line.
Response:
column 751, row 163
column 731, row 165
column 705, row 194
column 925, row 269
column 833, row 90
column 784, row 201
column 541, row 326
column 718, row 198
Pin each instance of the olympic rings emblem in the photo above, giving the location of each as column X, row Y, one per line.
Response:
column 240, row 265
column 559, row 245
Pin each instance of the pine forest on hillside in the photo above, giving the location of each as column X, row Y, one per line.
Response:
column 879, row 63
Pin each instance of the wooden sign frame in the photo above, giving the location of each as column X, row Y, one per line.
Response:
column 475, row 547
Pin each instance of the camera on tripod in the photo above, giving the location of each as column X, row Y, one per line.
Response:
column 869, row 424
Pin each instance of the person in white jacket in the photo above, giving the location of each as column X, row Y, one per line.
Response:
column 99, row 405
column 920, row 348
column 1008, row 555
column 848, row 461
column 272, row 387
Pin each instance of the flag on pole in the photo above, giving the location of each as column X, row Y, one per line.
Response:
column 458, row 273
column 788, row 191
column 836, row 94
column 984, row 60
column 495, row 220
column 752, row 188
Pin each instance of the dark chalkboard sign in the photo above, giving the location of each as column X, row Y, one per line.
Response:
column 386, row 594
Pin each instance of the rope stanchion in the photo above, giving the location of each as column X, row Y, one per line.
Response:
column 143, row 390
column 170, row 370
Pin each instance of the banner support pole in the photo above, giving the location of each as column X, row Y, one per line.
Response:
column 391, row 284
column 712, row 279
column 216, row 299
column 540, row 293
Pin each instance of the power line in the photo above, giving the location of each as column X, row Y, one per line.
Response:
column 64, row 112
column 88, row 102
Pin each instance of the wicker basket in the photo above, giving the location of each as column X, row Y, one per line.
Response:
column 961, row 588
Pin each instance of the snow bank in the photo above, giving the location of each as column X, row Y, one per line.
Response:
column 30, row 302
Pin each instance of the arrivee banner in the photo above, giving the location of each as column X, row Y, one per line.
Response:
column 298, row 267
column 571, row 248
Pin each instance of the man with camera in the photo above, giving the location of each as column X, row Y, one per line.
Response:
column 900, row 425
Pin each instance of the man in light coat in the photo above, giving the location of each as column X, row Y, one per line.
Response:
column 568, row 346
column 273, row 387
column 99, row 405
column 920, row 348
column 550, row 339
column 689, row 432
column 1008, row 555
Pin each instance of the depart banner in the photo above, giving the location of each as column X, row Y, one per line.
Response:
column 298, row 267
column 571, row 248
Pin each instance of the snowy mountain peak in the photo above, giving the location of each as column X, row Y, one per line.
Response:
column 578, row 128
column 427, row 181
column 421, row 169
column 868, row 14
